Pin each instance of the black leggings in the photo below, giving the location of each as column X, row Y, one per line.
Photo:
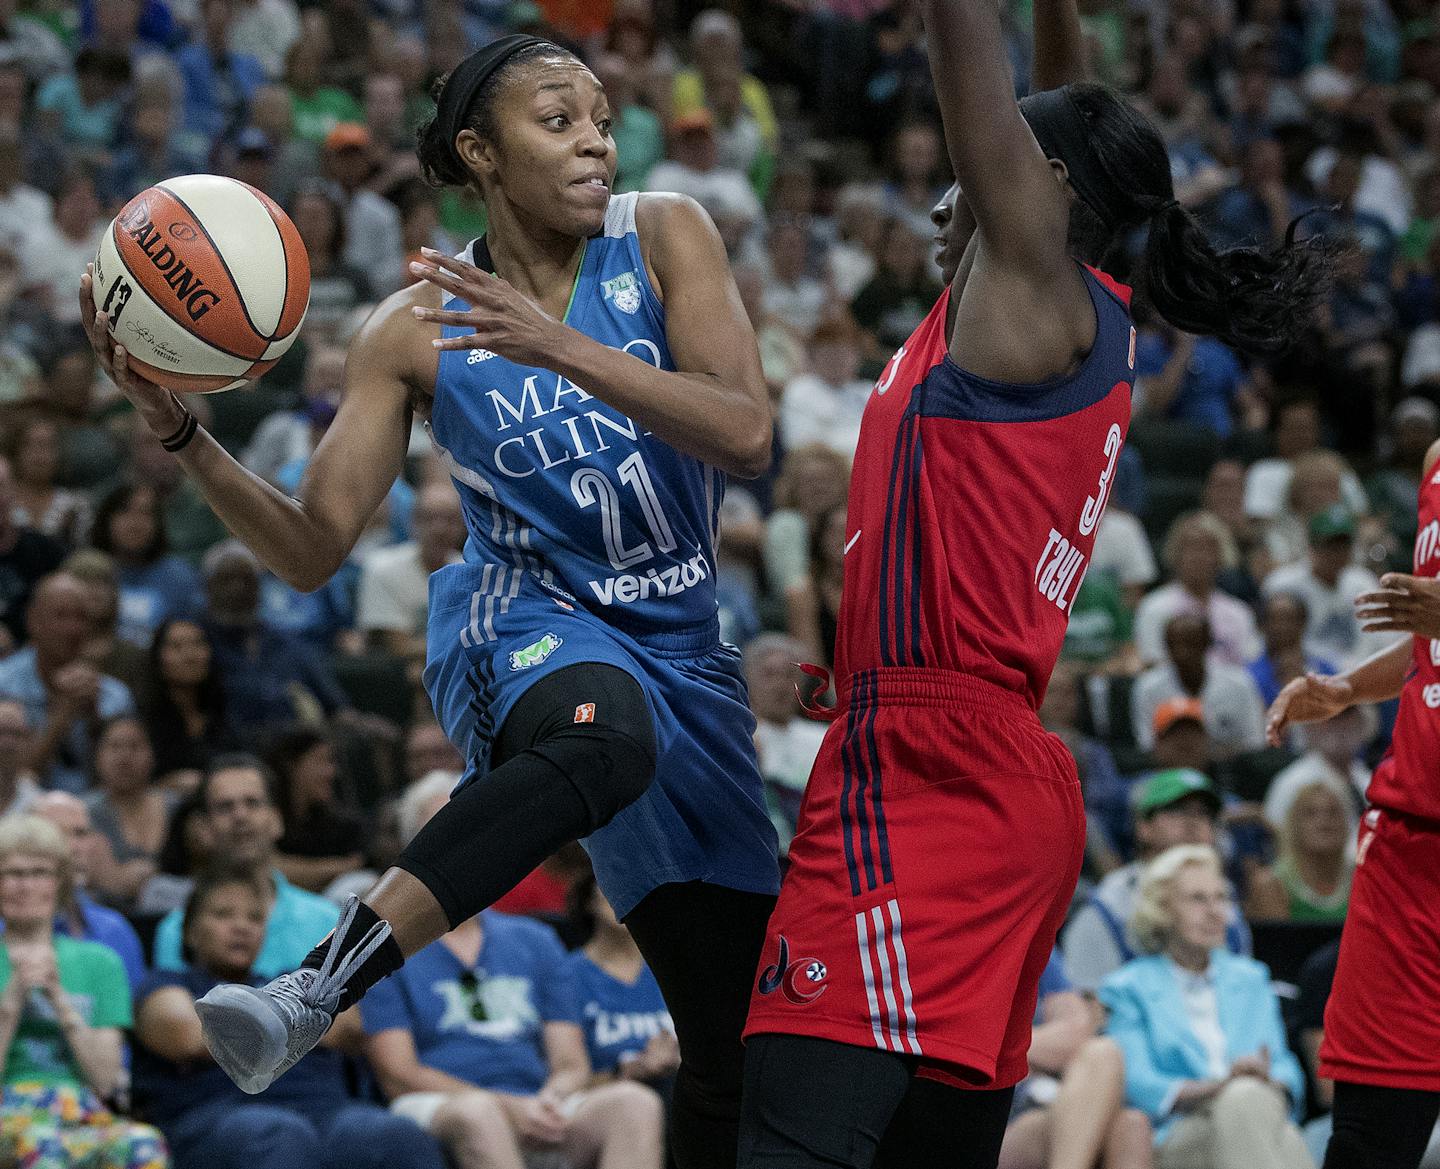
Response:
column 1380, row 1128
column 703, row 944
column 817, row 1104
column 554, row 779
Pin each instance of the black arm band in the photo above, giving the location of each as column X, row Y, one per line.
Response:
column 178, row 441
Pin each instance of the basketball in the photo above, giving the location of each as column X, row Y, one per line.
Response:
column 205, row 281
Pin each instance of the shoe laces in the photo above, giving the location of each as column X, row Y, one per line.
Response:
column 311, row 990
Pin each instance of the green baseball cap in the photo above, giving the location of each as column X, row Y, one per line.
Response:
column 1334, row 521
column 1170, row 787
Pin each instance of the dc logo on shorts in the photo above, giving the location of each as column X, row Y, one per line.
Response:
column 801, row 981
column 535, row 653
column 585, row 712
column 623, row 292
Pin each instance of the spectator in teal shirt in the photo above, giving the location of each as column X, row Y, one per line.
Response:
column 84, row 107
column 238, row 796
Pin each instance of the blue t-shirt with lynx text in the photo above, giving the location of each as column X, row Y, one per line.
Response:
column 619, row 1017
column 484, row 1023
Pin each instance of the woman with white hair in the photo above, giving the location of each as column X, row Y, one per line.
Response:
column 1205, row 1051
column 1197, row 548
column 1310, row 877
column 63, row 1006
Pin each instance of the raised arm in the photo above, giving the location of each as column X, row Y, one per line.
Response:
column 1024, row 313
column 303, row 539
column 1020, row 209
column 1059, row 45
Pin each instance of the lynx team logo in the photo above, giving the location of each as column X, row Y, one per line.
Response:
column 801, row 981
column 535, row 653
column 624, row 292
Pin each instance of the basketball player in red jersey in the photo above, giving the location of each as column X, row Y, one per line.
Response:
column 1382, row 1024
column 942, row 829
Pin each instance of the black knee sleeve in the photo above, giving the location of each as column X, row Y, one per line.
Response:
column 578, row 748
column 592, row 724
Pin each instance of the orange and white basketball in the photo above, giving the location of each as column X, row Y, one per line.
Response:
column 205, row 281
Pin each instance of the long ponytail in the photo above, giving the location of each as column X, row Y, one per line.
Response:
column 1259, row 300
column 1256, row 300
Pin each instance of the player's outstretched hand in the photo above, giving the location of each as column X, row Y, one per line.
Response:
column 500, row 318
column 1403, row 604
column 156, row 404
column 1310, row 699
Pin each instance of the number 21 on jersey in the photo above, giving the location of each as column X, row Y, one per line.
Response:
column 592, row 487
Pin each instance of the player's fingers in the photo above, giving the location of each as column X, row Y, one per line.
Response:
column 122, row 367
column 1381, row 596
column 131, row 381
column 461, row 268
column 1399, row 580
column 472, row 341
column 1393, row 625
column 1378, row 612
column 441, row 278
column 1276, row 720
column 87, row 298
column 102, row 343
column 445, row 316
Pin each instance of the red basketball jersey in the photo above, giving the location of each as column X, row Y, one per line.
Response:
column 1408, row 778
column 974, row 504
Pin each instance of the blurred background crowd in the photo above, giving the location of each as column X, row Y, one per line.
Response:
column 198, row 762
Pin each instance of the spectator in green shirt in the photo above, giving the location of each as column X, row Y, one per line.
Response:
column 639, row 136
column 318, row 108
column 63, row 1006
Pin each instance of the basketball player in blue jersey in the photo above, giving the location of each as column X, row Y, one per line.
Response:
column 588, row 378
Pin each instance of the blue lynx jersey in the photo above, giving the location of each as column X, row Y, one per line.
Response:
column 591, row 541
column 555, row 482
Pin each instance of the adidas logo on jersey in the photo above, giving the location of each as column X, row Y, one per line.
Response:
column 478, row 355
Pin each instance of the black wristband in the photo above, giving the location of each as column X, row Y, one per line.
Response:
column 181, row 438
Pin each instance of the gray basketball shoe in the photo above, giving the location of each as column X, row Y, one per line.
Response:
column 258, row 1034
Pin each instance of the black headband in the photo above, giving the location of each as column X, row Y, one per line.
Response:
column 1061, row 130
column 466, row 79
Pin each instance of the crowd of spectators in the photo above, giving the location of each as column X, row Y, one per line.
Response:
column 198, row 762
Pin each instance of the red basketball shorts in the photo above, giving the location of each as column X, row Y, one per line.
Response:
column 1382, row 1023
column 937, row 851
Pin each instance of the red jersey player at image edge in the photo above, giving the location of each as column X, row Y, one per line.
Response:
column 1381, row 1038
column 1381, row 1041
